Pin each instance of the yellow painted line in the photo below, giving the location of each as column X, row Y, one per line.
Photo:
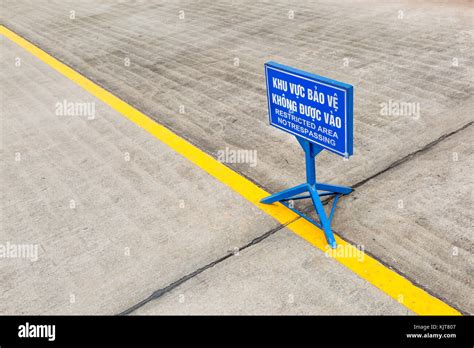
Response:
column 388, row 281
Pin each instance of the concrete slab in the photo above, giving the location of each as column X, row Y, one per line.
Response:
column 197, row 67
column 418, row 218
column 202, row 76
column 281, row 275
column 96, row 213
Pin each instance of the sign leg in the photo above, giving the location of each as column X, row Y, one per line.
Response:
column 312, row 186
column 285, row 194
column 322, row 217
column 333, row 188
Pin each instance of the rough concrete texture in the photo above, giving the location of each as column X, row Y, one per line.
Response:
column 109, row 231
column 418, row 217
column 184, row 55
column 281, row 275
column 197, row 68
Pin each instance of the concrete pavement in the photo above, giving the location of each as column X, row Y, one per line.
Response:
column 113, row 215
column 426, row 207
column 281, row 275
column 198, row 69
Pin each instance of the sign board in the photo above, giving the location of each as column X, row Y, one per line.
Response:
column 311, row 107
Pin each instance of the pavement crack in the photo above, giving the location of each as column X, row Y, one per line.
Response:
column 160, row 292
column 413, row 154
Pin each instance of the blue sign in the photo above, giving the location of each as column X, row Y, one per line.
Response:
column 312, row 107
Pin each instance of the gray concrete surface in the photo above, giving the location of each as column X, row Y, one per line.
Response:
column 281, row 275
column 134, row 227
column 418, row 217
column 126, row 234
column 183, row 73
column 422, row 54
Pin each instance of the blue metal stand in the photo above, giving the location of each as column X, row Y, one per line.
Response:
column 312, row 187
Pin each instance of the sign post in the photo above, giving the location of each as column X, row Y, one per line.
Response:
column 319, row 113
